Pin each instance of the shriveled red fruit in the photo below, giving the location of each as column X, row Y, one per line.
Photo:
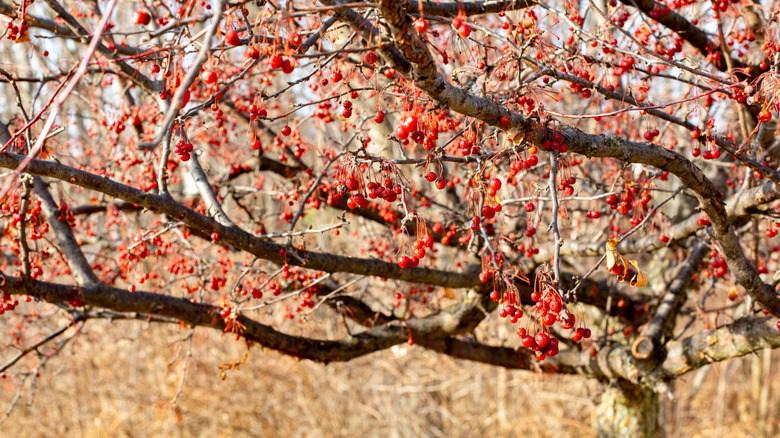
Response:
column 141, row 17
column 232, row 38
column 252, row 53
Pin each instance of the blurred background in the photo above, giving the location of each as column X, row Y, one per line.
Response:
column 119, row 379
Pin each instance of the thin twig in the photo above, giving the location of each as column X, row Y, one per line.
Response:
column 623, row 237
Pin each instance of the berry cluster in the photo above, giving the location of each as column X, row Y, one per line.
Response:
column 349, row 180
column 555, row 143
column 548, row 308
column 592, row 214
column 424, row 240
column 183, row 150
column 719, row 266
column 17, row 33
column 280, row 62
column 8, row 303
column 438, row 181
column 460, row 25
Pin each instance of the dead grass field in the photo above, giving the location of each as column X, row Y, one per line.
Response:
column 114, row 379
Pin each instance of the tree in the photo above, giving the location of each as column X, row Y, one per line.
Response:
column 409, row 169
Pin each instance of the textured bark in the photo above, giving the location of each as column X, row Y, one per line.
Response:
column 452, row 9
column 461, row 317
column 627, row 411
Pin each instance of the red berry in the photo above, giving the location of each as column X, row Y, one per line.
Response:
column 277, row 61
column 232, row 38
column 421, row 25
column 252, row 53
column 287, row 67
column 141, row 17
column 209, row 76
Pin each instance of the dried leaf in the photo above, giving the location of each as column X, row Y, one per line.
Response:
column 618, row 266
column 612, row 255
column 640, row 279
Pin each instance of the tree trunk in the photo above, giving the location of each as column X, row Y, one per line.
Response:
column 626, row 410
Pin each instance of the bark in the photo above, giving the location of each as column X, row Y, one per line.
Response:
column 627, row 411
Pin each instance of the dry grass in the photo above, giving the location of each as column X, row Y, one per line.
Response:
column 115, row 380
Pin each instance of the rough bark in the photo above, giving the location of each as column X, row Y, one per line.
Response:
column 627, row 411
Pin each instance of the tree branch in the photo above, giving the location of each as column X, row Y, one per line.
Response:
column 241, row 239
